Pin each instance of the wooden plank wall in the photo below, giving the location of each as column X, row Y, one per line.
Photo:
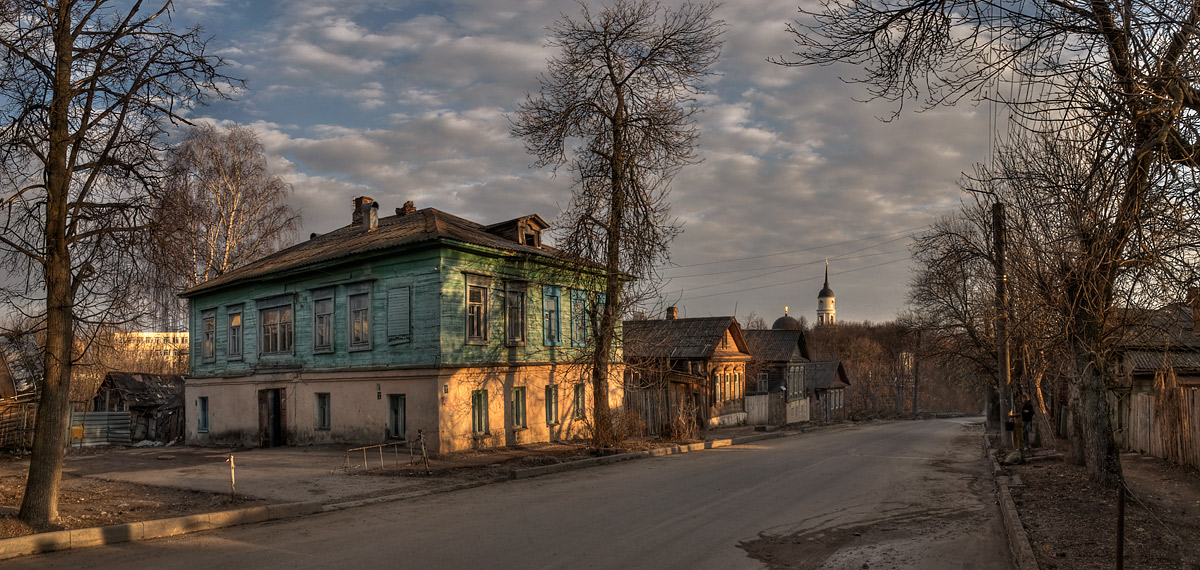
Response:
column 1168, row 428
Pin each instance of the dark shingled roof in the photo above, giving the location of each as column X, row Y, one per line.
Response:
column 678, row 338
column 148, row 390
column 822, row 375
column 1145, row 361
column 427, row 225
column 775, row 345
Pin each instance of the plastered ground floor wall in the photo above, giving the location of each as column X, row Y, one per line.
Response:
column 456, row 408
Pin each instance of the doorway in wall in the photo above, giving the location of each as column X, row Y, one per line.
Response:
column 272, row 412
column 396, row 419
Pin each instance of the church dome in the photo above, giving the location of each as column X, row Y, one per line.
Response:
column 786, row 323
column 825, row 293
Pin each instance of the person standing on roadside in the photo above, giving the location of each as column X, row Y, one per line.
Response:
column 1027, row 421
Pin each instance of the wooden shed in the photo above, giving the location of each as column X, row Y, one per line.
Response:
column 154, row 403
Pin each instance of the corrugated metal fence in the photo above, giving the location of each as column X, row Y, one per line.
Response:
column 87, row 428
column 99, row 428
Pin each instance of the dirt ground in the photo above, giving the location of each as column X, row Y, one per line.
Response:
column 1072, row 523
column 87, row 502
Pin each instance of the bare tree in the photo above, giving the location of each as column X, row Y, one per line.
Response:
column 86, row 87
column 221, row 208
column 1128, row 69
column 617, row 106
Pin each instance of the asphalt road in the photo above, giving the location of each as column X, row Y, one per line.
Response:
column 887, row 495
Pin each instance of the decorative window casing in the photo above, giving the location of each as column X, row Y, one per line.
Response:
column 514, row 313
column 477, row 309
column 552, row 315
column 236, row 340
column 323, row 321
column 275, row 325
column 580, row 319
column 358, row 299
column 208, row 335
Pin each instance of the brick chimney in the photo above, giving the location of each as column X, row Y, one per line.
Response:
column 407, row 209
column 357, row 216
column 370, row 216
column 672, row 313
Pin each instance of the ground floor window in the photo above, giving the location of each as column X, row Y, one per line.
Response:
column 518, row 407
column 202, row 414
column 324, row 415
column 551, row 405
column 479, row 411
column 580, row 401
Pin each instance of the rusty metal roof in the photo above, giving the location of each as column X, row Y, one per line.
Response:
column 776, row 345
column 425, row 226
column 823, row 375
column 679, row 338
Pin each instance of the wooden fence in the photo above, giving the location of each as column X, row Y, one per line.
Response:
column 16, row 426
column 1165, row 423
column 766, row 410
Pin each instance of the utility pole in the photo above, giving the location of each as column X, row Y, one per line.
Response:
column 1002, row 363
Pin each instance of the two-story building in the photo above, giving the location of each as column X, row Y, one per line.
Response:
column 390, row 325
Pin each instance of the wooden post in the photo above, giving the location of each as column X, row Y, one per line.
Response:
column 232, row 478
column 1120, row 523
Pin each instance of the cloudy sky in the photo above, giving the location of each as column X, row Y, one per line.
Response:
column 408, row 101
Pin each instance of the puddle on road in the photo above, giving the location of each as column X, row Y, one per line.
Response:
column 893, row 541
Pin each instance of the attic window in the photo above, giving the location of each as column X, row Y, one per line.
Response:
column 530, row 237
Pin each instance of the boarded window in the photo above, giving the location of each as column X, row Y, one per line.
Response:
column 399, row 314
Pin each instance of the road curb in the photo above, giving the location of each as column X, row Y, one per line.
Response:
column 161, row 528
column 145, row 530
column 1018, row 539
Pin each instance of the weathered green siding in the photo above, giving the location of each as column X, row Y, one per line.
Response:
column 437, row 281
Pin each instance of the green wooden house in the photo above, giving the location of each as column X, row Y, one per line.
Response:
column 421, row 321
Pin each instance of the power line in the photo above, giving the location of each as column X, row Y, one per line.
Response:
column 685, row 298
column 907, row 231
column 790, row 265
